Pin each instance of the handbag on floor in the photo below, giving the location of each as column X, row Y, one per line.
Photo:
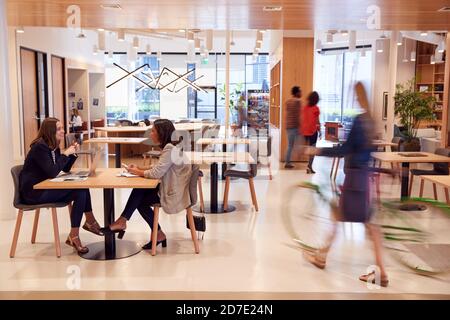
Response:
column 200, row 224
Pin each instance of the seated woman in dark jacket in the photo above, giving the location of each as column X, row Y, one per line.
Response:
column 45, row 161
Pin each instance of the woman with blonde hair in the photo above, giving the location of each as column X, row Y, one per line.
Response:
column 354, row 205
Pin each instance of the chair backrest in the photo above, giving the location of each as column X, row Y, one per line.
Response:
column 398, row 141
column 253, row 169
column 442, row 167
column 193, row 184
column 15, row 173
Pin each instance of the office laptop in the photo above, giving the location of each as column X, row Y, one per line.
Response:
column 92, row 167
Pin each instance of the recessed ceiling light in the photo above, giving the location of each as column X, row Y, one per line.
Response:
column 180, row 30
column 272, row 8
column 423, row 33
column 100, row 29
column 111, row 6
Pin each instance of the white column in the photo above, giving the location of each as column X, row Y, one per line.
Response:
column 393, row 52
column 227, row 82
column 6, row 158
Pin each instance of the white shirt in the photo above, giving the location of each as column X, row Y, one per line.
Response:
column 77, row 121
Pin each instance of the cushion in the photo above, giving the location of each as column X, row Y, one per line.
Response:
column 426, row 133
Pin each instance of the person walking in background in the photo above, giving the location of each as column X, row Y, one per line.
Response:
column 354, row 203
column 310, row 125
column 76, row 121
column 293, row 107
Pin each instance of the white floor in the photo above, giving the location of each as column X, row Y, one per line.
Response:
column 243, row 251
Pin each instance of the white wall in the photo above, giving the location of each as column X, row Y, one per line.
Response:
column 97, row 90
column 77, row 82
column 6, row 159
column 52, row 41
column 173, row 105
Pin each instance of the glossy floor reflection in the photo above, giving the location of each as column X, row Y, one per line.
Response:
column 244, row 251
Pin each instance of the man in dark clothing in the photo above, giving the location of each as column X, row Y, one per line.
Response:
column 293, row 107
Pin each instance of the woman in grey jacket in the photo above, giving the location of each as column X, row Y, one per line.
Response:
column 172, row 192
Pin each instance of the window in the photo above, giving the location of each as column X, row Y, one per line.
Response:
column 129, row 99
column 335, row 74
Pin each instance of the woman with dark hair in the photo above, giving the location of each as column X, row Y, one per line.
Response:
column 310, row 124
column 171, row 192
column 45, row 161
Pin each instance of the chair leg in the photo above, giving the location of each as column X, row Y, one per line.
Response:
column 252, row 190
column 56, row 232
column 225, row 194
column 421, row 187
column 192, row 228
column 155, row 229
column 377, row 185
column 410, row 185
column 446, row 195
column 435, row 191
column 35, row 225
column 12, row 252
column 270, row 171
column 332, row 168
column 336, row 169
column 200, row 191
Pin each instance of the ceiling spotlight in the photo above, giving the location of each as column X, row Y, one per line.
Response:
column 318, row 45
column 81, row 35
column 259, row 37
column 197, row 43
column 100, row 29
column 423, row 33
column 181, row 30
column 329, row 37
column 399, row 39
column 121, row 35
column 413, row 56
column 20, row 30
column 441, row 47
column 190, row 36
column 135, row 42
column 352, row 41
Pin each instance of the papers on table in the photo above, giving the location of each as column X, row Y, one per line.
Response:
column 125, row 173
column 63, row 176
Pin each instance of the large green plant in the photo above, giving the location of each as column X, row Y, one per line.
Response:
column 412, row 107
column 235, row 92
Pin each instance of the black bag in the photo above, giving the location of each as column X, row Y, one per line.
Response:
column 199, row 222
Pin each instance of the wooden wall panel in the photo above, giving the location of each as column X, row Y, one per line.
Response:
column 297, row 70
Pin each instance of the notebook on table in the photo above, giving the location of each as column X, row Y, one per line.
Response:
column 412, row 154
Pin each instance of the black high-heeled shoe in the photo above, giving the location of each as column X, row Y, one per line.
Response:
column 148, row 246
column 120, row 232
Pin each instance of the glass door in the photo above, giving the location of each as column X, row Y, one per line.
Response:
column 205, row 103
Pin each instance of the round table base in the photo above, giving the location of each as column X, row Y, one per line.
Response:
column 124, row 249
column 219, row 208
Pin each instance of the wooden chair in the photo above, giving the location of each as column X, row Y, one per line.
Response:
column 244, row 174
column 439, row 168
column 190, row 216
column 15, row 172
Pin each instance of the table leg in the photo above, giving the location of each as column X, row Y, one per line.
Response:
column 110, row 249
column 118, row 156
column 224, row 165
column 214, row 186
column 404, row 192
column 213, row 206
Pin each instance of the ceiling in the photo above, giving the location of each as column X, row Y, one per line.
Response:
column 233, row 14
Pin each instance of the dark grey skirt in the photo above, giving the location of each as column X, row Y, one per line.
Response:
column 355, row 202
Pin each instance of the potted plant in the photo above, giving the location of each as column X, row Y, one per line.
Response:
column 235, row 93
column 412, row 107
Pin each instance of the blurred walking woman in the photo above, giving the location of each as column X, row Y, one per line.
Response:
column 355, row 202
column 45, row 161
column 310, row 124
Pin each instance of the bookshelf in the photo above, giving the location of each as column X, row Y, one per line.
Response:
column 274, row 112
column 430, row 80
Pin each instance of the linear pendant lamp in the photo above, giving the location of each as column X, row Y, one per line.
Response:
column 121, row 35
